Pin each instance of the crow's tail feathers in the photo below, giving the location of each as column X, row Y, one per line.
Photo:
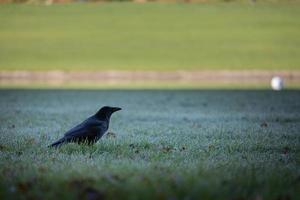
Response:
column 57, row 143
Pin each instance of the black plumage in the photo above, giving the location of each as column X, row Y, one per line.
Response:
column 90, row 130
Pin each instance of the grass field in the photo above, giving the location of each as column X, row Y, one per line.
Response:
column 150, row 36
column 180, row 144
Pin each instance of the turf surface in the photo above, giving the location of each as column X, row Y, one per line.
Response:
column 179, row 144
column 150, row 36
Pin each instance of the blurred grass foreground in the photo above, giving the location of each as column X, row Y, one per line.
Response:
column 257, row 40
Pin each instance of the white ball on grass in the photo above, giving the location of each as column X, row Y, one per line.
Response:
column 277, row 83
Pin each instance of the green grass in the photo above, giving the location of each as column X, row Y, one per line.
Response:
column 179, row 144
column 130, row 36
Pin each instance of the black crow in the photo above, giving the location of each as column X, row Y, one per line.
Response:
column 90, row 130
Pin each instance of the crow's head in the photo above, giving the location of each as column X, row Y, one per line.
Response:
column 106, row 111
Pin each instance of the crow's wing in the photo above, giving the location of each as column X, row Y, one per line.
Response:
column 89, row 127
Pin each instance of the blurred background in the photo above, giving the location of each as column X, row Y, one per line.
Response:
column 201, row 142
column 149, row 44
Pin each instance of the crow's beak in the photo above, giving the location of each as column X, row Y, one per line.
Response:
column 116, row 109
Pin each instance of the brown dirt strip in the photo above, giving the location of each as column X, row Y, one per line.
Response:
column 180, row 76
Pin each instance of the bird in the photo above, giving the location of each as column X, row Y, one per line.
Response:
column 90, row 130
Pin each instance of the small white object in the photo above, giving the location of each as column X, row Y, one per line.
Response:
column 277, row 83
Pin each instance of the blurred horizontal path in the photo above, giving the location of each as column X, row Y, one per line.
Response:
column 212, row 77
